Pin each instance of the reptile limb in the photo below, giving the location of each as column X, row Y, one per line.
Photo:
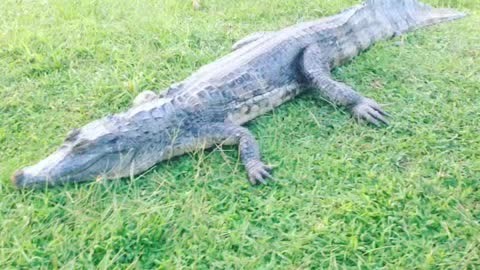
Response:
column 316, row 69
column 224, row 133
column 144, row 97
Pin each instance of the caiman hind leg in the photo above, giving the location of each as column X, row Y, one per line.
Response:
column 221, row 133
column 316, row 70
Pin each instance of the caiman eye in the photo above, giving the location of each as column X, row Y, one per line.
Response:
column 72, row 135
column 81, row 146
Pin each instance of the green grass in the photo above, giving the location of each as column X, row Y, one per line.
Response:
column 348, row 196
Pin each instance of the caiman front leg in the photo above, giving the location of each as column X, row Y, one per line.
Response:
column 144, row 97
column 317, row 72
column 222, row 133
column 147, row 95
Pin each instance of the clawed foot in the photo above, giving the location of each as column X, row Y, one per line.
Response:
column 370, row 111
column 258, row 173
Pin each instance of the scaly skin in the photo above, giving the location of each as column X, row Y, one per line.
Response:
column 264, row 71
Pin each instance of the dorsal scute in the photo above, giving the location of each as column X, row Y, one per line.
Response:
column 380, row 2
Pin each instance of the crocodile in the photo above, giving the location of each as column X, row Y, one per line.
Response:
column 263, row 71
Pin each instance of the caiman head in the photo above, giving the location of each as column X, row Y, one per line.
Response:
column 112, row 147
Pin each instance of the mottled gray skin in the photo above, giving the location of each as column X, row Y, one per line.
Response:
column 264, row 71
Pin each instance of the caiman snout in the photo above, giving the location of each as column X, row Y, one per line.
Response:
column 18, row 179
column 23, row 180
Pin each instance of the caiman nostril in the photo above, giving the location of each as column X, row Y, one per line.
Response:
column 18, row 178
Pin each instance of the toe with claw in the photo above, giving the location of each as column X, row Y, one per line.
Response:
column 370, row 111
column 258, row 173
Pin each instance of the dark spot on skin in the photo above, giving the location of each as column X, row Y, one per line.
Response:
column 216, row 95
column 232, row 84
column 197, row 106
column 202, row 94
column 257, row 92
column 239, row 80
column 72, row 135
column 285, row 95
column 179, row 98
column 63, row 146
column 113, row 140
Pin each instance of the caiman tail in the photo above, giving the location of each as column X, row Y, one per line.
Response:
column 412, row 14
column 377, row 20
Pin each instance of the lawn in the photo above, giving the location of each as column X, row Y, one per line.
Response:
column 347, row 196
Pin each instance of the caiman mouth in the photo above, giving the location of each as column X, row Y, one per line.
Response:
column 67, row 170
column 23, row 179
